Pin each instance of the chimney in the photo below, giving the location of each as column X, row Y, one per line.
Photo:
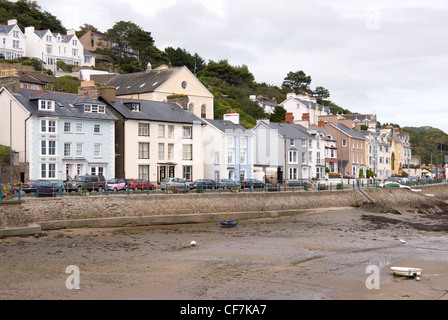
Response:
column 109, row 93
column 289, row 117
column 29, row 30
column 306, row 117
column 321, row 124
column 89, row 89
column 12, row 22
column 291, row 95
column 11, row 82
column 181, row 99
column 232, row 116
column 71, row 31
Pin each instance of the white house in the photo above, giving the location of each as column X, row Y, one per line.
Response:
column 227, row 149
column 53, row 47
column 13, row 43
column 304, row 108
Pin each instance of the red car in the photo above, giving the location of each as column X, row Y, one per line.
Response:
column 141, row 184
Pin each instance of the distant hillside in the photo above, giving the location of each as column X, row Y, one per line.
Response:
column 429, row 143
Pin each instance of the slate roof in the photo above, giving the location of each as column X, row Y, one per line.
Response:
column 289, row 130
column 63, row 105
column 351, row 132
column 224, row 125
column 6, row 29
column 141, row 82
column 313, row 105
column 35, row 77
column 154, row 111
column 64, row 38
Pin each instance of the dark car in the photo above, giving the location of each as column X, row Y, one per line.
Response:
column 2, row 56
column 204, row 183
column 226, row 184
column 141, row 184
column 41, row 186
column 247, row 183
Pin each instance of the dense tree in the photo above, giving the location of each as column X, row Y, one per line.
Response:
column 297, row 82
column 320, row 93
column 278, row 115
column 126, row 33
column 29, row 13
column 84, row 29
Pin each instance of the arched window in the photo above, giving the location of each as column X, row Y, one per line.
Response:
column 203, row 111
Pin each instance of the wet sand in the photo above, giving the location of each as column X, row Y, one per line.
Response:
column 319, row 255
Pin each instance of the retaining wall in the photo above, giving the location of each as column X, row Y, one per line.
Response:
column 135, row 209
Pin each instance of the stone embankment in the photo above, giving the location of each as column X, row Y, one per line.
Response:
column 142, row 209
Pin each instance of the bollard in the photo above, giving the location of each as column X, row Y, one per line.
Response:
column 250, row 188
column 85, row 190
column 202, row 187
column 62, row 190
column 147, row 188
column 107, row 190
column 1, row 194
column 293, row 188
column 127, row 189
column 265, row 187
column 37, row 191
column 20, row 191
column 331, row 186
column 185, row 188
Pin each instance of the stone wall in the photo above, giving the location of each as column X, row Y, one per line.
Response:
column 76, row 208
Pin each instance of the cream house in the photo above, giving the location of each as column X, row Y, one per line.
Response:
column 156, row 140
column 157, row 84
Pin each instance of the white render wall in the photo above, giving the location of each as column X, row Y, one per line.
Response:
column 132, row 139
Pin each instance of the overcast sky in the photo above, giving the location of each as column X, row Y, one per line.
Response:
column 382, row 56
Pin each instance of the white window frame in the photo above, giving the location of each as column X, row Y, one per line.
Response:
column 187, row 132
column 187, row 151
column 161, row 129
column 46, row 105
column 143, row 153
column 97, row 150
column 67, row 149
column 81, row 124
column 97, row 125
column 69, row 127
column 143, row 129
column 79, row 147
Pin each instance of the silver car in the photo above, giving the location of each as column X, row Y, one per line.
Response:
column 173, row 183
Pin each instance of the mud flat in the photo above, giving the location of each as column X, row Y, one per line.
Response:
column 320, row 254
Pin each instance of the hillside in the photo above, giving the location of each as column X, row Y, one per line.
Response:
column 429, row 143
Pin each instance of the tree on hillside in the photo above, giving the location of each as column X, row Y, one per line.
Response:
column 298, row 82
column 84, row 29
column 126, row 33
column 29, row 13
column 278, row 115
column 320, row 93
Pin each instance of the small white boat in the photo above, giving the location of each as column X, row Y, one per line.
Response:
column 406, row 271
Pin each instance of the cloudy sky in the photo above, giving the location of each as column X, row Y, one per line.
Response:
column 382, row 56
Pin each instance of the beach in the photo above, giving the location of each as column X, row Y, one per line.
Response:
column 322, row 254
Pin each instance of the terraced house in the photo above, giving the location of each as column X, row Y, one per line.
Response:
column 155, row 140
column 59, row 135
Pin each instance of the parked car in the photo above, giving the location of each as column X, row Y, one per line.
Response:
column 141, row 184
column 117, row 184
column 5, row 187
column 87, row 182
column 175, row 183
column 43, row 186
column 226, row 183
column 247, row 183
column 205, row 183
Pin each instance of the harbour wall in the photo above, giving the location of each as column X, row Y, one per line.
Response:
column 142, row 209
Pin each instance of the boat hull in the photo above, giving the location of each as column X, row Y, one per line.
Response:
column 406, row 271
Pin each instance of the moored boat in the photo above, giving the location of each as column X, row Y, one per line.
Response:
column 406, row 271
column 229, row 223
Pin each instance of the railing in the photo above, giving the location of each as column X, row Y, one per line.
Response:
column 8, row 192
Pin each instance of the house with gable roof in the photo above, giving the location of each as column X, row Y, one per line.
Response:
column 155, row 140
column 351, row 149
column 227, row 149
column 53, row 47
column 60, row 135
column 157, row 84
column 13, row 41
column 304, row 108
column 281, row 151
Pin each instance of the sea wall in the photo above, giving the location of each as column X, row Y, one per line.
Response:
column 78, row 210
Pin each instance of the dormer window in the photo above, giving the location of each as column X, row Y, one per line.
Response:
column 46, row 105
column 135, row 107
column 94, row 108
